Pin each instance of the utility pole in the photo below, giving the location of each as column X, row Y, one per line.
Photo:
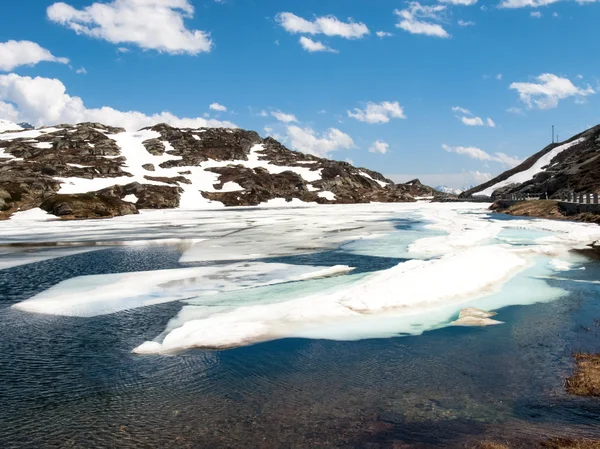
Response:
column 552, row 133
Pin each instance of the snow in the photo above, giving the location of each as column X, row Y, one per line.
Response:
column 5, row 125
column 527, row 175
column 36, row 214
column 131, row 198
column 78, row 165
column 366, row 175
column 231, row 186
column 43, row 145
column 327, row 195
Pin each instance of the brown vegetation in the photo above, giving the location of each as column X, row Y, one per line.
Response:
column 549, row 209
column 585, row 380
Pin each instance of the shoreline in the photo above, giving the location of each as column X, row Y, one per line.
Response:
column 546, row 209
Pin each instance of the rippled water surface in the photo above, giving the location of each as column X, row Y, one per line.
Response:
column 73, row 382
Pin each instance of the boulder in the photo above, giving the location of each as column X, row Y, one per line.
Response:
column 87, row 205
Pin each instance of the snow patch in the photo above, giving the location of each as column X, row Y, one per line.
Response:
column 527, row 175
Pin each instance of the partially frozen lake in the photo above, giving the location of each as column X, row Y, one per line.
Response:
column 201, row 315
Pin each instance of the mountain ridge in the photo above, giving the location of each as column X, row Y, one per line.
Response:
column 559, row 169
column 90, row 170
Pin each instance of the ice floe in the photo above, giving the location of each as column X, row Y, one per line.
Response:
column 88, row 296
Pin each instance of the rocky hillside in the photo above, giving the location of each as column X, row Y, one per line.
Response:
column 559, row 169
column 90, row 170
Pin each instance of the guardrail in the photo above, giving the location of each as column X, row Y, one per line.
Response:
column 576, row 198
column 581, row 198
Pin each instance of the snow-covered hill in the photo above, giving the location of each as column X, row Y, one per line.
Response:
column 557, row 170
column 5, row 125
column 450, row 190
column 91, row 170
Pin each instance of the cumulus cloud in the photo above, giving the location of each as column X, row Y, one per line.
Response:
column 17, row 53
column 327, row 25
column 526, row 3
column 536, row 14
column 422, row 19
column 150, row 24
column 460, row 2
column 469, row 119
column 45, row 101
column 378, row 112
column 383, row 34
column 283, row 117
column 548, row 91
column 477, row 153
column 218, row 107
column 308, row 141
column 379, row 147
column 314, row 46
column 465, row 23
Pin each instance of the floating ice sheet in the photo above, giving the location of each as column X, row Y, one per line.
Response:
column 88, row 296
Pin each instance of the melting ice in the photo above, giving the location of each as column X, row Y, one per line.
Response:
column 460, row 257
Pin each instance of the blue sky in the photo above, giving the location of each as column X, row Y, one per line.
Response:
column 524, row 64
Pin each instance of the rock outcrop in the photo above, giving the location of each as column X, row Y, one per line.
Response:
column 91, row 170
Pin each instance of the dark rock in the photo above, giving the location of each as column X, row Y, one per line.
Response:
column 149, row 196
column 149, row 167
column 574, row 170
column 154, row 146
column 175, row 180
column 87, row 205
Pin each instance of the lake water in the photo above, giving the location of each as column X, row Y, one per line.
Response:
column 69, row 381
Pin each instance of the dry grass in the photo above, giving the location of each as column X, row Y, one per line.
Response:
column 491, row 445
column 560, row 443
column 585, row 380
column 540, row 208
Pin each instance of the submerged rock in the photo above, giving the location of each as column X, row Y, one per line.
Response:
column 474, row 317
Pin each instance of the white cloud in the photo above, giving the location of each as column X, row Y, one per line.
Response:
column 383, row 34
column 308, row 141
column 314, row 46
column 548, row 91
column 327, row 25
column 283, row 117
column 514, row 110
column 218, row 107
column 150, row 24
column 461, row 110
column 499, row 76
column 379, row 147
column 420, row 19
column 536, row 14
column 465, row 23
column 460, row 2
column 526, row 3
column 477, row 153
column 469, row 119
column 378, row 112
column 81, row 71
column 263, row 113
column 472, row 121
column 44, row 101
column 17, row 53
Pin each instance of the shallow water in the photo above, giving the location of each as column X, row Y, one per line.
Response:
column 73, row 382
